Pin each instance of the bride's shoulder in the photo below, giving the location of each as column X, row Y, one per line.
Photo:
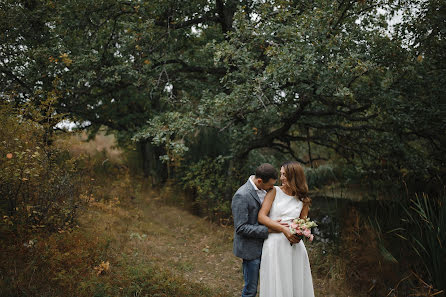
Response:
column 276, row 190
column 272, row 192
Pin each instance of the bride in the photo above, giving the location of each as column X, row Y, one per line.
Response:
column 285, row 268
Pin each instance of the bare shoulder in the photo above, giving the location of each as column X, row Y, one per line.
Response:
column 271, row 193
column 268, row 201
column 273, row 190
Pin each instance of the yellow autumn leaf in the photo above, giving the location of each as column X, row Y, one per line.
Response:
column 102, row 268
column 65, row 59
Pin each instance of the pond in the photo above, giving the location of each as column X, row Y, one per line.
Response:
column 328, row 213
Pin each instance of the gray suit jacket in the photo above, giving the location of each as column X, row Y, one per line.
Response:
column 249, row 235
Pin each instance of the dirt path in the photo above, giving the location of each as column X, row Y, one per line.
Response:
column 185, row 245
column 190, row 246
column 146, row 231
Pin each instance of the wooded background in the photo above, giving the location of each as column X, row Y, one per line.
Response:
column 201, row 92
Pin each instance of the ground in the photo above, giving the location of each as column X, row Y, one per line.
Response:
column 148, row 231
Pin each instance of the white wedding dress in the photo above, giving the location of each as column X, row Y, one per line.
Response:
column 285, row 269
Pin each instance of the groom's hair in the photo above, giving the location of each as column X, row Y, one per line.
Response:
column 266, row 172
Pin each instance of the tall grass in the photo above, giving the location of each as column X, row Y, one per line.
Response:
column 426, row 234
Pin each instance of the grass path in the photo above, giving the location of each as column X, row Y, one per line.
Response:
column 146, row 231
column 189, row 246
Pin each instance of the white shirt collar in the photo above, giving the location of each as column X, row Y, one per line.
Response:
column 251, row 179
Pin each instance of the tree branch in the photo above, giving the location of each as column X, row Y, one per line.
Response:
column 188, row 23
column 346, row 128
column 288, row 122
column 18, row 80
column 286, row 150
column 343, row 15
column 190, row 68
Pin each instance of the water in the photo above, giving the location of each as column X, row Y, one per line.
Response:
column 327, row 213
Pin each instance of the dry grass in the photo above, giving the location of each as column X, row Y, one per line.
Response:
column 131, row 243
column 329, row 272
column 78, row 143
column 184, row 246
column 368, row 271
column 108, row 254
column 134, row 242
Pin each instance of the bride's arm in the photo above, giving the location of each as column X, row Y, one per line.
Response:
column 264, row 211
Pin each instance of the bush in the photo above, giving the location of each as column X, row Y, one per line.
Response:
column 39, row 183
column 208, row 182
column 320, row 176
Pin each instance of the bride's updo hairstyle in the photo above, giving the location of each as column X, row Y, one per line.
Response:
column 297, row 182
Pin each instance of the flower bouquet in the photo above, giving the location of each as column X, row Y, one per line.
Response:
column 302, row 228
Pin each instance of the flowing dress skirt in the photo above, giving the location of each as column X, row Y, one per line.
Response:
column 284, row 269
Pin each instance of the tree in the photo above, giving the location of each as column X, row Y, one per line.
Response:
column 278, row 74
column 327, row 73
column 113, row 64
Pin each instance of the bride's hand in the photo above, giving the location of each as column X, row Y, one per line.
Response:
column 290, row 236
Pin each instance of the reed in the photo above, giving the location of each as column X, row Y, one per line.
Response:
column 426, row 234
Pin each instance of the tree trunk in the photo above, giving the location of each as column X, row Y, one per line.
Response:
column 144, row 159
column 309, row 147
column 151, row 164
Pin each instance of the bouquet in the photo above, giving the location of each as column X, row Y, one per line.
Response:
column 302, row 228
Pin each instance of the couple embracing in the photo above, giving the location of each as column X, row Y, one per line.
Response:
column 262, row 237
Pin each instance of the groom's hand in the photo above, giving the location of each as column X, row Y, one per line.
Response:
column 296, row 240
column 281, row 223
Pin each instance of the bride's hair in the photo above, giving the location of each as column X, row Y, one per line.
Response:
column 295, row 177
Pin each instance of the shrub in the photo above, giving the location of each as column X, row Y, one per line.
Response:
column 209, row 183
column 320, row 176
column 39, row 183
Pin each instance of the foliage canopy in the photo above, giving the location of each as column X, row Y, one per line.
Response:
column 279, row 74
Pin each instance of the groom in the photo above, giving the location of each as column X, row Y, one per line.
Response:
column 249, row 235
